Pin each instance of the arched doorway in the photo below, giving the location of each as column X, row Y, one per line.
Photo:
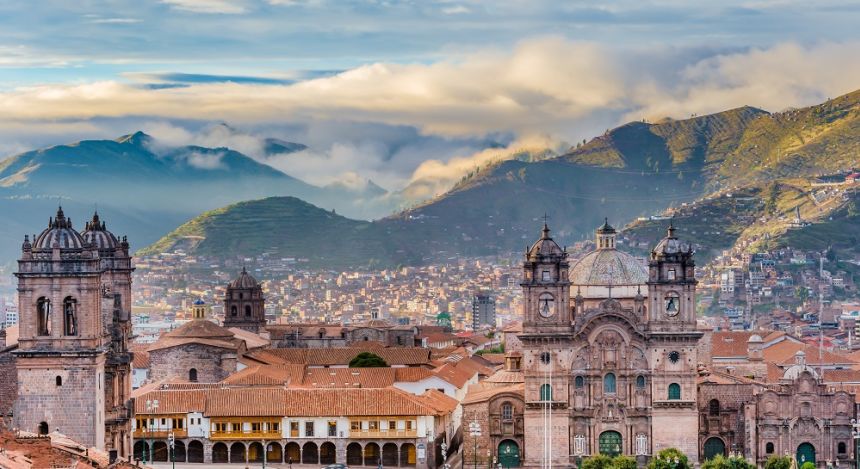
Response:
column 159, row 451
column 220, row 453
column 43, row 428
column 805, row 453
column 255, row 452
column 195, row 451
column 310, row 455
column 407, row 454
column 371, row 454
column 509, row 453
column 141, row 448
column 390, row 455
column 610, row 443
column 353, row 455
column 714, row 447
column 179, row 451
column 328, row 453
column 274, row 453
column 237, row 452
column 294, row 453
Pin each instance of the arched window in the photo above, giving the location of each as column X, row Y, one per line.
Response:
column 58, row 380
column 43, row 314
column 545, row 358
column 609, row 383
column 43, row 428
column 768, row 448
column 579, row 382
column 70, row 317
column 507, row 411
column 640, row 382
column 674, row 392
column 545, row 392
column 714, row 407
column 247, row 310
column 233, row 311
column 241, row 296
column 840, row 448
column 192, row 375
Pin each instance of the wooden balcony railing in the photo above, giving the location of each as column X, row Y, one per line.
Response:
column 142, row 434
column 383, row 433
column 245, row 435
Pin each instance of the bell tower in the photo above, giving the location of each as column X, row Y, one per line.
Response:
column 64, row 336
column 546, row 338
column 672, row 344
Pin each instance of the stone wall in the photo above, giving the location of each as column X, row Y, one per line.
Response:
column 213, row 364
column 74, row 408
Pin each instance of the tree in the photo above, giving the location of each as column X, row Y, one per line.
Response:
column 721, row 462
column 624, row 462
column 778, row 462
column 669, row 458
column 808, row 465
column 598, row 461
column 367, row 360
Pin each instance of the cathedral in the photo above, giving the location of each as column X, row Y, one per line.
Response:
column 610, row 351
column 72, row 361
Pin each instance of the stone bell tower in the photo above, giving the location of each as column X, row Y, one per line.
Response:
column 546, row 339
column 673, row 343
column 63, row 340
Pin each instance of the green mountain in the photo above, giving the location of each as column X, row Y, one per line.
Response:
column 637, row 170
column 284, row 227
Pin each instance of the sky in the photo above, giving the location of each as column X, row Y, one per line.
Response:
column 405, row 92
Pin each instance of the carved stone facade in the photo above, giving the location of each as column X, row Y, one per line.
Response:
column 606, row 374
column 73, row 363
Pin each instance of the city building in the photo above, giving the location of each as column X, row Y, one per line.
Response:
column 72, row 359
column 356, row 427
column 483, row 311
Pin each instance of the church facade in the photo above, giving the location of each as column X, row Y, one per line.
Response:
column 609, row 350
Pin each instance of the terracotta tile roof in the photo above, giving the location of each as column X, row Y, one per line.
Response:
column 176, row 401
column 514, row 327
column 842, row 376
column 201, row 328
column 480, row 393
column 783, row 353
column 252, row 340
column 245, row 402
column 348, row 377
column 394, row 356
column 412, row 374
column 729, row 343
column 277, row 401
column 267, row 375
column 494, row 358
column 167, row 342
column 459, row 373
column 141, row 360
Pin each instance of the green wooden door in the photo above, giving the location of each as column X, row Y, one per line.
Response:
column 805, row 453
column 509, row 454
column 714, row 447
column 610, row 443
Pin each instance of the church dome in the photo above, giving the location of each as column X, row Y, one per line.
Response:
column 545, row 246
column 671, row 245
column 244, row 280
column 59, row 233
column 607, row 266
column 96, row 234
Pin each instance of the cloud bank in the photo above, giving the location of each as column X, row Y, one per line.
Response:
column 402, row 123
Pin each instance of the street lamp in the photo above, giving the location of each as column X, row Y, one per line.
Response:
column 475, row 432
column 151, row 408
column 855, row 432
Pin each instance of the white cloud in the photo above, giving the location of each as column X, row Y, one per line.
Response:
column 455, row 10
column 206, row 160
column 227, row 7
column 544, row 86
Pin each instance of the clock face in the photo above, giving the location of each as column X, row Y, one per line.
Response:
column 673, row 306
column 546, row 305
